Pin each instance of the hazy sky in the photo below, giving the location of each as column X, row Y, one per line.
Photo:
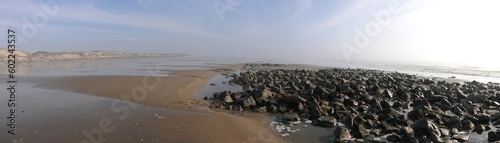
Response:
column 416, row 30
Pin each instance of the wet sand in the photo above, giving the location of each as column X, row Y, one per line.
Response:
column 185, row 121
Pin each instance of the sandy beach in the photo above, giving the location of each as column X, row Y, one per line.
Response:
column 177, row 92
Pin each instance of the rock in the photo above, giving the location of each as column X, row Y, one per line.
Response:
column 483, row 119
column 261, row 109
column 290, row 117
column 493, row 136
column 460, row 94
column 408, row 139
column 247, row 102
column 283, row 108
column 435, row 98
column 454, row 122
column 227, row 99
column 479, row 129
column 419, row 113
column 315, row 114
column 425, row 127
column 407, row 131
column 385, row 104
column 393, row 138
column 350, row 103
column 235, row 107
column 444, row 132
column 272, row 108
column 327, row 111
column 397, row 105
column 295, row 99
column 213, row 84
column 467, row 125
column 216, row 104
column 326, row 122
column 457, row 111
column 341, row 134
column 435, row 138
column 388, row 93
column 359, row 131
column 235, row 96
column 321, row 92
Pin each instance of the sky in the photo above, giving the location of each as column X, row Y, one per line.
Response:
column 461, row 31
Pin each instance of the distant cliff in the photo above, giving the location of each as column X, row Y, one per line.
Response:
column 26, row 57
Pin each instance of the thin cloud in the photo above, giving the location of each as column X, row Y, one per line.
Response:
column 356, row 9
column 90, row 15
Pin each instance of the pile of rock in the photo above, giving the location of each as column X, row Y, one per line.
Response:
column 370, row 104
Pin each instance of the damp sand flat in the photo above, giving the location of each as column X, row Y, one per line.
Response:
column 63, row 108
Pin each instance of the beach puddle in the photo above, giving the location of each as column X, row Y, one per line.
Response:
column 218, row 83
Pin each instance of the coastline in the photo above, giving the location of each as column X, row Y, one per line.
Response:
column 176, row 92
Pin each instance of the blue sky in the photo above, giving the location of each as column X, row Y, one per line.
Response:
column 420, row 30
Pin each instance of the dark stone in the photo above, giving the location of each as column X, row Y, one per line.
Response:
column 388, row 93
column 235, row 107
column 235, row 96
column 393, row 138
column 479, row 129
column 460, row 94
column 216, row 104
column 327, row 111
column 444, row 132
column 315, row 114
column 283, row 108
column 350, row 103
column 247, row 102
column 407, row 131
column 295, row 99
column 445, row 102
column 436, row 138
column 321, row 92
column 272, row 108
column 419, row 113
column 261, row 109
column 348, row 121
column 385, row 104
column 493, row 136
column 359, row 131
column 472, row 110
column 409, row 139
column 467, row 125
column 227, row 98
column 397, row 105
column 341, row 134
column 483, row 119
column 326, row 122
column 425, row 127
column 290, row 117
column 457, row 111
column 454, row 122
column 436, row 98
